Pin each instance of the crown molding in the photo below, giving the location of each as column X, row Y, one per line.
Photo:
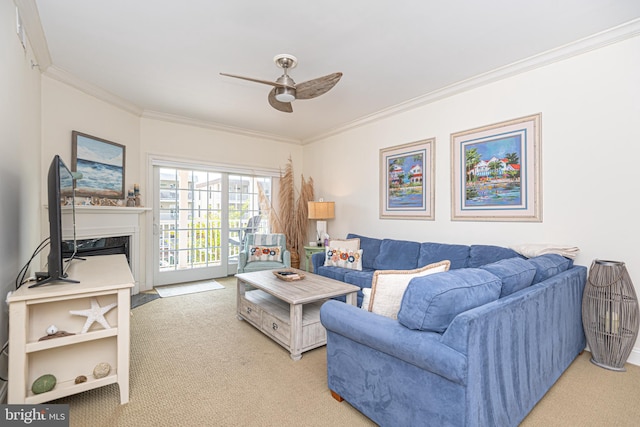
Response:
column 165, row 117
column 65, row 77
column 613, row 35
column 31, row 21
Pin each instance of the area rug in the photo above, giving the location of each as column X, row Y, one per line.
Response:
column 142, row 298
column 187, row 288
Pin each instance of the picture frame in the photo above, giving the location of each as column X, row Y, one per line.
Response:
column 102, row 165
column 407, row 186
column 496, row 172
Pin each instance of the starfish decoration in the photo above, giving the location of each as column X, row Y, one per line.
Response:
column 94, row 314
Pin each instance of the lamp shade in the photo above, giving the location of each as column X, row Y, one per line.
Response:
column 321, row 210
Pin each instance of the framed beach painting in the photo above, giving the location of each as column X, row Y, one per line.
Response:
column 101, row 163
column 496, row 172
column 407, row 181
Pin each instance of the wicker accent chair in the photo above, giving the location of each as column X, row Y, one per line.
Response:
column 246, row 265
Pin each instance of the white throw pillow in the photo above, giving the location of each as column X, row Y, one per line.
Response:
column 366, row 297
column 388, row 286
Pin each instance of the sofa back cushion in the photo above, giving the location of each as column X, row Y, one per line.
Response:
column 370, row 248
column 397, row 255
column 388, row 286
column 515, row 274
column 485, row 254
column 430, row 303
column 548, row 265
column 430, row 252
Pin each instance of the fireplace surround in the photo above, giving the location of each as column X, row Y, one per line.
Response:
column 105, row 225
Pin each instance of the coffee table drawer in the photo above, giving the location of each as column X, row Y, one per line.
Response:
column 276, row 328
column 250, row 311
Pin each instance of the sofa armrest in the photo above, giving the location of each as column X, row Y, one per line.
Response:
column 317, row 260
column 242, row 260
column 286, row 258
column 419, row 348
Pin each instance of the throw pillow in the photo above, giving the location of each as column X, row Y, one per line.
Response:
column 351, row 244
column 264, row 253
column 366, row 297
column 342, row 257
column 388, row 286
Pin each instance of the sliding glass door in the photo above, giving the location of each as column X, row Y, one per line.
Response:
column 201, row 218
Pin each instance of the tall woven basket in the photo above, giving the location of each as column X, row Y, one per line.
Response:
column 610, row 314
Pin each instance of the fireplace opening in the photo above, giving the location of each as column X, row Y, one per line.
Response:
column 98, row 246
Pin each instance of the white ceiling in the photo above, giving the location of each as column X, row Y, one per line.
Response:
column 164, row 57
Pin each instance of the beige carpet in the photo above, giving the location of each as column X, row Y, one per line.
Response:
column 193, row 363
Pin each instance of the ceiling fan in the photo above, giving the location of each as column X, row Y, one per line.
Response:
column 285, row 90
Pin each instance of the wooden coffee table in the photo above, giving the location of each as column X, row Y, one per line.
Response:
column 289, row 312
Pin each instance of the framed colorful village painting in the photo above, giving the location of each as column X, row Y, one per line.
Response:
column 407, row 180
column 495, row 172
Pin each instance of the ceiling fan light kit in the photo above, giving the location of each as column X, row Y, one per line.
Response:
column 286, row 90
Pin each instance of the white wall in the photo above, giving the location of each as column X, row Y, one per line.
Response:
column 21, row 169
column 590, row 106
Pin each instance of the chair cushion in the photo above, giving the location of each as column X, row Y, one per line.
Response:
column 264, row 253
column 431, row 302
column 388, row 287
column 515, row 274
column 397, row 255
column 548, row 265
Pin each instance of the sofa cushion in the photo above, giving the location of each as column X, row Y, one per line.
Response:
column 370, row 248
column 335, row 273
column 264, row 253
column 485, row 254
column 359, row 278
column 548, row 265
column 458, row 255
column 430, row 303
column 515, row 274
column 397, row 255
column 388, row 286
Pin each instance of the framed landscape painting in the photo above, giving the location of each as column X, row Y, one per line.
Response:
column 101, row 163
column 495, row 172
column 407, row 181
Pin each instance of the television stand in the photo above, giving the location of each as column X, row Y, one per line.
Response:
column 106, row 279
column 47, row 280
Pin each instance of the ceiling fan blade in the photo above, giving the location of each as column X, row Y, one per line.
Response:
column 316, row 87
column 285, row 107
column 266, row 82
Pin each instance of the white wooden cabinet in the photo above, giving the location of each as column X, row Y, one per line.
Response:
column 108, row 279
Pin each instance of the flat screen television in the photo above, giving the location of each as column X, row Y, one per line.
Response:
column 62, row 228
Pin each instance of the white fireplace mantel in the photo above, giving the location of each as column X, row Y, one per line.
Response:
column 110, row 221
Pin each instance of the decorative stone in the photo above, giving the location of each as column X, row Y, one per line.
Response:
column 43, row 384
column 80, row 379
column 52, row 330
column 101, row 370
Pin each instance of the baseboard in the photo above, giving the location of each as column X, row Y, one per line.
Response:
column 634, row 357
column 3, row 392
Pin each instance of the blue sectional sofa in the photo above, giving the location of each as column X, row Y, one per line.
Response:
column 392, row 254
column 478, row 345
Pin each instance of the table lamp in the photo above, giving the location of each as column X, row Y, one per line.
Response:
column 321, row 211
